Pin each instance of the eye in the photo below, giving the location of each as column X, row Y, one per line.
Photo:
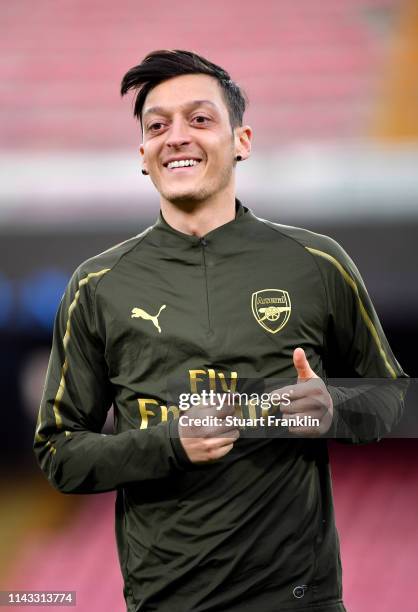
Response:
column 154, row 127
column 201, row 119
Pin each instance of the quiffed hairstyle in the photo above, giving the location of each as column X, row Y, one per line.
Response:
column 161, row 65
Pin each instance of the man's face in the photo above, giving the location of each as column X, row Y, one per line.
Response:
column 186, row 118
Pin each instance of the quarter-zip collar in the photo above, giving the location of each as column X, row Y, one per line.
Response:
column 165, row 235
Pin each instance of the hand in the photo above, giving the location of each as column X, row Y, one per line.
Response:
column 309, row 397
column 204, row 443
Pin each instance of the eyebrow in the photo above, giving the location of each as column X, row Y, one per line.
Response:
column 163, row 111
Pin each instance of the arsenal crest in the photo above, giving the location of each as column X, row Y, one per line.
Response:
column 271, row 309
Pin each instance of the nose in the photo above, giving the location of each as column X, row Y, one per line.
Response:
column 178, row 134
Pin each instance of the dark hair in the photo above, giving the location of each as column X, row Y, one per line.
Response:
column 161, row 65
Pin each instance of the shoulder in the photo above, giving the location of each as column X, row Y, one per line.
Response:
column 319, row 246
column 93, row 269
column 326, row 254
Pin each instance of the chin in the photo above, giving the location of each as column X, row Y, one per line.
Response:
column 186, row 197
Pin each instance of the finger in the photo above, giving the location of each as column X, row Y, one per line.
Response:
column 302, row 366
column 218, row 453
column 218, row 432
column 220, row 441
column 308, row 430
column 215, row 431
column 227, row 439
column 226, row 410
column 305, row 405
column 292, row 392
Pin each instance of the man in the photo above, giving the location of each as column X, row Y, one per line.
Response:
column 207, row 520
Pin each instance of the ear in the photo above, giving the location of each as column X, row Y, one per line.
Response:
column 142, row 154
column 242, row 136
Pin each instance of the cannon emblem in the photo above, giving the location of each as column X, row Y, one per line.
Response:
column 271, row 309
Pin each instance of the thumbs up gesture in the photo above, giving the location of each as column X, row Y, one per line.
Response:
column 302, row 366
column 309, row 398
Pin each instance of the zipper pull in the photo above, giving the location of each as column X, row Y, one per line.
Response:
column 203, row 242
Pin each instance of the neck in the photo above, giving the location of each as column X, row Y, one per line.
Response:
column 200, row 218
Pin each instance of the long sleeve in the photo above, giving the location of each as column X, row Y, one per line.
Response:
column 71, row 451
column 357, row 348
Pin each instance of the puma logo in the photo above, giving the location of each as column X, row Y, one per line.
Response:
column 139, row 313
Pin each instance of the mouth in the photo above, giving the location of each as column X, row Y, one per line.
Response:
column 183, row 165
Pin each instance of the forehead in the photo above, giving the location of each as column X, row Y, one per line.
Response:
column 183, row 90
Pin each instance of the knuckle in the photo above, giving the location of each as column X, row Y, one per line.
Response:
column 207, row 443
column 213, row 453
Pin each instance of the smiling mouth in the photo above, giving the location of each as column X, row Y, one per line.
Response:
column 182, row 165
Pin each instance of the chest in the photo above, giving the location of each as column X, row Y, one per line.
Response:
column 244, row 311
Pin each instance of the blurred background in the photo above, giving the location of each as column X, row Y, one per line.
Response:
column 333, row 90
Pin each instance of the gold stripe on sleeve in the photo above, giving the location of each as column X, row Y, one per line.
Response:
column 38, row 436
column 67, row 335
column 365, row 315
column 61, row 388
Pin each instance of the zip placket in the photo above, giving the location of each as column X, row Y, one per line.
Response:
column 203, row 243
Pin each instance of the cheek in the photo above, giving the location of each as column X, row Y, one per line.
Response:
column 221, row 153
column 224, row 157
column 150, row 153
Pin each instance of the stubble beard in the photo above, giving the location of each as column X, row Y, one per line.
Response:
column 200, row 193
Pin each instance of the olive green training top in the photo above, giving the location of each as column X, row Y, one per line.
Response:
column 254, row 530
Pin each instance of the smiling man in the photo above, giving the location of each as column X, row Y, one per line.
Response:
column 207, row 172
column 207, row 520
column 192, row 139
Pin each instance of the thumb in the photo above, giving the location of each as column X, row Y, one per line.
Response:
column 302, row 366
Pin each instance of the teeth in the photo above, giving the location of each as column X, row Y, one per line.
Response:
column 182, row 162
